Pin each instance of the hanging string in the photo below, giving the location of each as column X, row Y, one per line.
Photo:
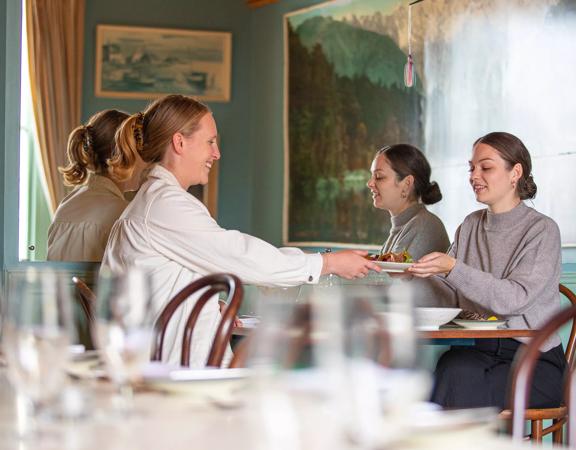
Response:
column 409, row 67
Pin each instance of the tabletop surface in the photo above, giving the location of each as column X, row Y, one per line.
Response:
column 445, row 332
column 199, row 419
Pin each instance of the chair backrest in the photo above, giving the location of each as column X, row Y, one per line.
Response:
column 87, row 301
column 525, row 362
column 572, row 339
column 86, row 298
column 213, row 284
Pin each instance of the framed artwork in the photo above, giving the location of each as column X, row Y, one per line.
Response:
column 143, row 63
column 480, row 66
column 344, row 99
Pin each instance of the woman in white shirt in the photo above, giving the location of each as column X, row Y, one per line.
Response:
column 83, row 220
column 170, row 233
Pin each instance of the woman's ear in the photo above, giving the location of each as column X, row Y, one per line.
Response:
column 408, row 181
column 178, row 143
column 517, row 172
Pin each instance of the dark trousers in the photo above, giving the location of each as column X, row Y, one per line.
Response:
column 475, row 376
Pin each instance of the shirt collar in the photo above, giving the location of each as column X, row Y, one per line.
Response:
column 162, row 173
column 99, row 182
column 506, row 220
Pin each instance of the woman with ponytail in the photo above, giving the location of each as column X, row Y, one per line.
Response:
column 400, row 183
column 84, row 218
column 171, row 235
column 505, row 262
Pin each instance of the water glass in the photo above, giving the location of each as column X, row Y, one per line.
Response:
column 124, row 323
column 37, row 333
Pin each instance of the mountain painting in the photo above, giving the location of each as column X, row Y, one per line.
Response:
column 480, row 65
column 346, row 99
column 133, row 62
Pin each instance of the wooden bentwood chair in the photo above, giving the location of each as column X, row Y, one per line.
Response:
column 87, row 301
column 213, row 284
column 522, row 373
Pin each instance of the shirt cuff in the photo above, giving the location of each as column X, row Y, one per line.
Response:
column 315, row 263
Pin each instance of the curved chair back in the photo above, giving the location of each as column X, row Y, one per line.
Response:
column 87, row 301
column 86, row 298
column 525, row 363
column 213, row 284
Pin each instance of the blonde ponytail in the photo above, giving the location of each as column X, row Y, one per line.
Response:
column 79, row 146
column 123, row 159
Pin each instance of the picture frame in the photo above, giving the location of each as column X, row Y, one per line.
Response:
column 144, row 63
column 337, row 77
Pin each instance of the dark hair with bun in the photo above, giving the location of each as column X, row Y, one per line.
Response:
column 407, row 160
column 513, row 151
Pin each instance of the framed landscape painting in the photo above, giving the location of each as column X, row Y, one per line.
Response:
column 135, row 62
column 345, row 98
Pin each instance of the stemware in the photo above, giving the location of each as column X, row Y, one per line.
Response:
column 124, row 321
column 37, row 332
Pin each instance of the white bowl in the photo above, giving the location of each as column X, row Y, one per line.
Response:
column 431, row 318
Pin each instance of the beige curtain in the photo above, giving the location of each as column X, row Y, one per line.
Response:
column 55, row 30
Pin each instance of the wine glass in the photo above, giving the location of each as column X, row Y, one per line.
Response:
column 37, row 332
column 124, row 321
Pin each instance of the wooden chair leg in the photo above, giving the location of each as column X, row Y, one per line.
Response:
column 558, row 435
column 537, row 426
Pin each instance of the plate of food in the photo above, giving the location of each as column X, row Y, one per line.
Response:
column 492, row 323
column 391, row 261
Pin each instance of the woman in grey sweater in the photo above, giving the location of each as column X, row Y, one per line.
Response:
column 400, row 183
column 505, row 261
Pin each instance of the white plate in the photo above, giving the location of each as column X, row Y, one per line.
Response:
column 250, row 322
column 480, row 324
column 392, row 266
column 209, row 382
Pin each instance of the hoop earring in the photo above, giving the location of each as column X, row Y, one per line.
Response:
column 403, row 194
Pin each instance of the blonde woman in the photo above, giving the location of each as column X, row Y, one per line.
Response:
column 170, row 233
column 83, row 220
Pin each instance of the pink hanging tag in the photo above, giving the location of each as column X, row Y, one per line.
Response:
column 409, row 72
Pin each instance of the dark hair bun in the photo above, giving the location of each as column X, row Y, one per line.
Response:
column 432, row 194
column 527, row 188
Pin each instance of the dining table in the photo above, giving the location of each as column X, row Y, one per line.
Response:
column 197, row 419
column 443, row 333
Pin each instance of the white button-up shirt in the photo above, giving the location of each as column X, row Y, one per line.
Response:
column 169, row 233
column 83, row 221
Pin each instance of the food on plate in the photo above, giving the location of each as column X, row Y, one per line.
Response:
column 400, row 257
column 470, row 315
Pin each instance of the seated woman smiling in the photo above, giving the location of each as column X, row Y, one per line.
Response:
column 169, row 233
column 505, row 261
column 400, row 183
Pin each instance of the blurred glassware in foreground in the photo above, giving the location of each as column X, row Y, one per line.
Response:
column 37, row 332
column 334, row 364
column 124, row 321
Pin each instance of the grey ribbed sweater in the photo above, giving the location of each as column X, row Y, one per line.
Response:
column 509, row 265
column 418, row 231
